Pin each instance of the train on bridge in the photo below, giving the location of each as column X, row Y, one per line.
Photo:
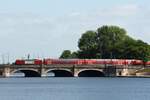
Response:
column 49, row 61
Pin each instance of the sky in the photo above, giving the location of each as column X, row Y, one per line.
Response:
column 44, row 28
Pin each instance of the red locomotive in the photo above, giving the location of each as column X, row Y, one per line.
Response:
column 28, row 62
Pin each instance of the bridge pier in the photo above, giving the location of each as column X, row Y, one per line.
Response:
column 110, row 70
column 75, row 72
column 6, row 72
column 42, row 71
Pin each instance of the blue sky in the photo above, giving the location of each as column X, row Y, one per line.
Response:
column 44, row 28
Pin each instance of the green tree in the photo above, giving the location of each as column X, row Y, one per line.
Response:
column 109, row 42
column 66, row 54
column 88, row 45
column 110, row 37
column 74, row 55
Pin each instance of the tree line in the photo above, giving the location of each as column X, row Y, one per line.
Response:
column 109, row 42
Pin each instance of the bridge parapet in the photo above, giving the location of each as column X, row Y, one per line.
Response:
column 58, row 66
column 91, row 66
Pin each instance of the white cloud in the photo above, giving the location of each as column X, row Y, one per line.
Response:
column 73, row 14
column 104, row 14
column 126, row 10
column 120, row 10
column 133, row 17
column 25, row 33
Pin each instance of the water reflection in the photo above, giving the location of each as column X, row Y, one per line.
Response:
column 17, row 74
column 21, row 74
column 50, row 74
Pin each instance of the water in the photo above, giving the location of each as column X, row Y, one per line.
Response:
column 74, row 89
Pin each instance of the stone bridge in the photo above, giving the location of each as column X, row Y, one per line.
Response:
column 68, row 70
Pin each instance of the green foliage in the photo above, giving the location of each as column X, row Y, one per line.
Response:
column 74, row 55
column 109, row 42
column 68, row 55
column 88, row 45
column 109, row 37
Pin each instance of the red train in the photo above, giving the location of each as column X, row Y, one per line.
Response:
column 80, row 61
column 29, row 62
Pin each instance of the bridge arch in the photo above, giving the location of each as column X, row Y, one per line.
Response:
column 60, row 72
column 90, row 73
column 27, row 72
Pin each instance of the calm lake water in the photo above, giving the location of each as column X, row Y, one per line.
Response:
column 75, row 89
